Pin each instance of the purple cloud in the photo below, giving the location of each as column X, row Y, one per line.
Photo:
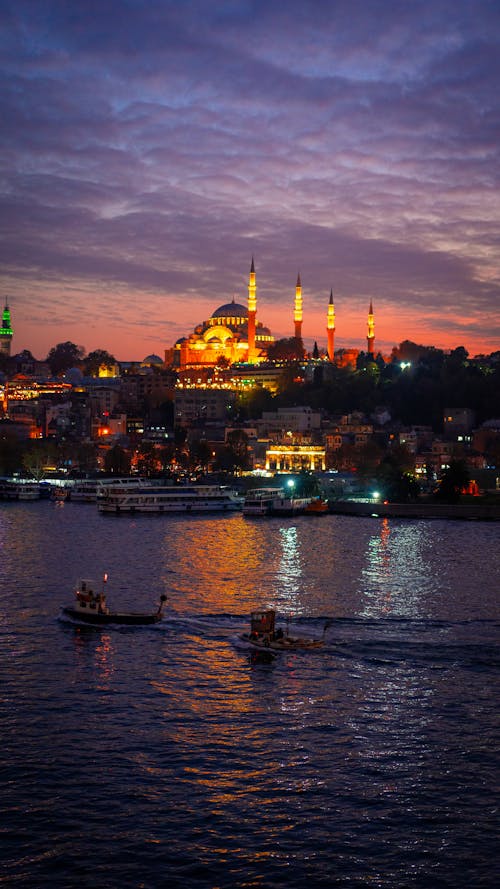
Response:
column 149, row 149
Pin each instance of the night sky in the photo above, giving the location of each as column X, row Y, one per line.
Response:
column 150, row 149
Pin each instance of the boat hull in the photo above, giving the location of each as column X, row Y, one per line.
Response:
column 287, row 643
column 160, row 508
column 127, row 618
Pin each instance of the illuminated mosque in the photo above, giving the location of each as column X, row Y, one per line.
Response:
column 233, row 334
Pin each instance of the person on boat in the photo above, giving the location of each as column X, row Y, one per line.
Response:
column 83, row 594
column 101, row 603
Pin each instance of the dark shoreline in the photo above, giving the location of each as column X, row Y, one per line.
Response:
column 467, row 511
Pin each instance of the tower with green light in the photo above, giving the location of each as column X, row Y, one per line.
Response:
column 6, row 332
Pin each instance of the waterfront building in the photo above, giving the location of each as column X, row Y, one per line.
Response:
column 295, row 458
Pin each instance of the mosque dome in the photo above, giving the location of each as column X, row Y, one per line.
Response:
column 150, row 360
column 231, row 310
column 73, row 376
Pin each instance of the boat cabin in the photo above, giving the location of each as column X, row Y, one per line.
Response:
column 262, row 623
column 88, row 599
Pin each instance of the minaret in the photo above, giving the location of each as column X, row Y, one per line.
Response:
column 252, row 311
column 330, row 326
column 371, row 331
column 297, row 315
column 6, row 332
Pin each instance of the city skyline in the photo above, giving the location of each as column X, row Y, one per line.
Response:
column 150, row 150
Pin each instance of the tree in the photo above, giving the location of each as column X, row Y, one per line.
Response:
column 306, row 485
column 237, row 442
column 117, row 461
column 63, row 356
column 287, row 349
column 147, row 459
column 10, row 449
column 253, row 403
column 201, row 453
column 85, row 456
column 453, row 480
column 235, row 454
column 38, row 457
column 96, row 359
column 397, row 486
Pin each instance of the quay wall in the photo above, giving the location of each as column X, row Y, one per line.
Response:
column 472, row 512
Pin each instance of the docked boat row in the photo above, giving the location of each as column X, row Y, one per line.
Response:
column 86, row 491
column 10, row 490
column 122, row 496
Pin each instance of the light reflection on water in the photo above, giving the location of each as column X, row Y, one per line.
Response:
column 369, row 762
column 396, row 572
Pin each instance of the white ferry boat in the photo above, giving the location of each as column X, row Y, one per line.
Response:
column 260, row 501
column 168, row 499
column 89, row 490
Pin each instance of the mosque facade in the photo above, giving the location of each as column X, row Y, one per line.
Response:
column 233, row 335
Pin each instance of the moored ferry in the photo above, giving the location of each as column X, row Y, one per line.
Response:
column 259, row 502
column 289, row 506
column 28, row 491
column 168, row 499
column 90, row 490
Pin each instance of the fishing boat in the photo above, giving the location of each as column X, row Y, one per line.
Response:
column 264, row 636
column 90, row 607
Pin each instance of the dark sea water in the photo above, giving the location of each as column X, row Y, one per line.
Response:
column 169, row 756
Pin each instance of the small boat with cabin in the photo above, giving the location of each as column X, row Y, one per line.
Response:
column 91, row 608
column 265, row 636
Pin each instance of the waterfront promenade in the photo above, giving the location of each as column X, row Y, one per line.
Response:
column 423, row 510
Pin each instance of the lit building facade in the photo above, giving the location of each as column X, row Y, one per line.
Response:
column 231, row 335
column 295, row 458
